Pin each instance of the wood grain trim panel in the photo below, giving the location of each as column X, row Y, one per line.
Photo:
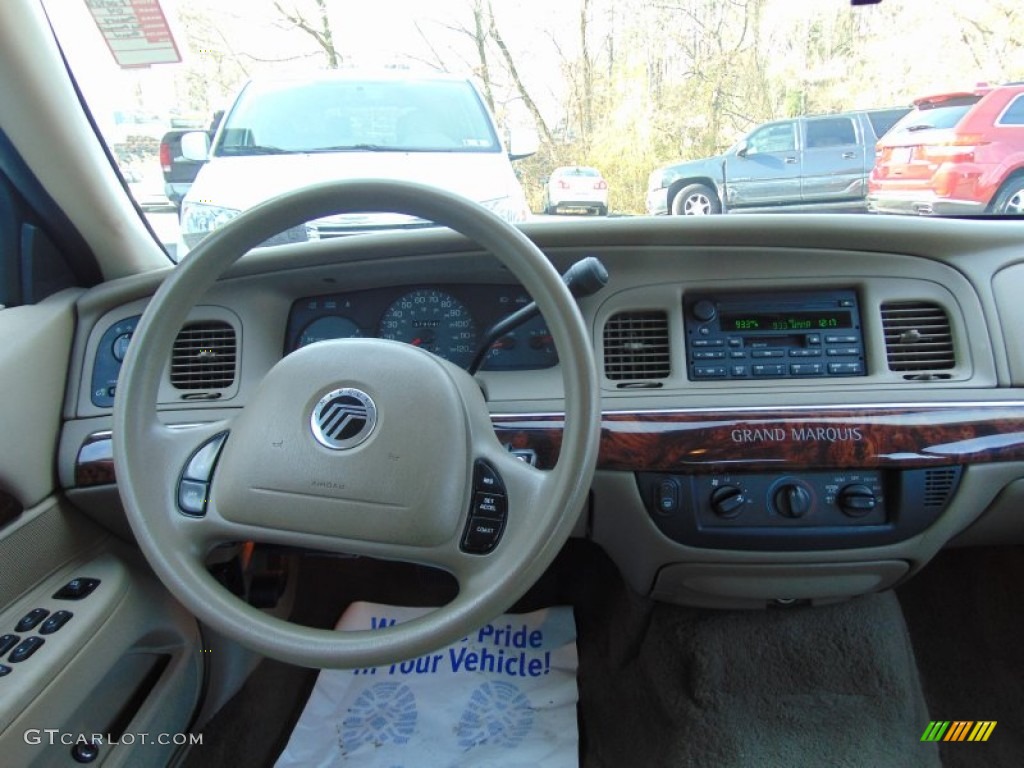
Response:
column 757, row 439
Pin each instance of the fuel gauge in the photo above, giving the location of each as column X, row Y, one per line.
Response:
column 329, row 327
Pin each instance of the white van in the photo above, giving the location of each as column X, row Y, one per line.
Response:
column 282, row 135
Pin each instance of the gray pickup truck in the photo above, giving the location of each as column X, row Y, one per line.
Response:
column 814, row 162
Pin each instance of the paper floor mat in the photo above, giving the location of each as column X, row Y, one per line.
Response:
column 505, row 695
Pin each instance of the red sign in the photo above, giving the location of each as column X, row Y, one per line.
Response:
column 136, row 32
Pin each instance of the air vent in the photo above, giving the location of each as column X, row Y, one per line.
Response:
column 636, row 346
column 939, row 485
column 204, row 356
column 917, row 337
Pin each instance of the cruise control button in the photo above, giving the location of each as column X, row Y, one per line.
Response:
column 31, row 620
column 486, row 478
column 481, row 536
column 26, row 648
column 55, row 622
column 489, row 505
column 76, row 589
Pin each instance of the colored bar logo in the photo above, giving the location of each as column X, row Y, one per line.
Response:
column 959, row 730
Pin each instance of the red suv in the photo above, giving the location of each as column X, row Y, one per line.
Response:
column 955, row 153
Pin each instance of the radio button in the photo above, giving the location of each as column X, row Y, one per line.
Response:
column 813, row 338
column 805, row 353
column 738, row 370
column 806, row 369
column 738, row 354
column 768, row 353
column 709, row 372
column 735, row 342
column 708, row 342
column 709, row 355
column 837, row 351
column 845, row 368
column 768, row 370
column 841, row 339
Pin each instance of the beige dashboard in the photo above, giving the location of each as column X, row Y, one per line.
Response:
column 825, row 448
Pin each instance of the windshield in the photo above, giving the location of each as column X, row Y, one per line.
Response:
column 211, row 106
column 339, row 114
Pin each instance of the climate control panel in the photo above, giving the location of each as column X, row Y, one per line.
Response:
column 824, row 509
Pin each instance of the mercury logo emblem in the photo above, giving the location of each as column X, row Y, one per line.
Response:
column 343, row 419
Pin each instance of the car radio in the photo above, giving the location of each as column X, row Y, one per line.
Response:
column 778, row 335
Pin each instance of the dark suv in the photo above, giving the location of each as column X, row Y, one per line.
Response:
column 956, row 153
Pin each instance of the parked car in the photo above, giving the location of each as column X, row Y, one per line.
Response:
column 179, row 171
column 576, row 188
column 817, row 162
column 285, row 134
column 957, row 153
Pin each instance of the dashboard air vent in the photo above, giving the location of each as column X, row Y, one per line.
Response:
column 204, row 356
column 939, row 484
column 636, row 346
column 917, row 337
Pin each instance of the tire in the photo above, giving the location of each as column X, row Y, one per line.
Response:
column 696, row 200
column 1010, row 200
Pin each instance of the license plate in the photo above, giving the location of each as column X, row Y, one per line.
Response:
column 901, row 155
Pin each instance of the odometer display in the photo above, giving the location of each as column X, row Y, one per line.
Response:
column 432, row 320
column 786, row 321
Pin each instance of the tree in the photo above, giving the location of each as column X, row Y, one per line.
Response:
column 319, row 28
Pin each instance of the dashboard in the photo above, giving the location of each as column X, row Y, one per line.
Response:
column 789, row 414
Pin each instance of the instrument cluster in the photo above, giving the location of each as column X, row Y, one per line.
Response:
column 449, row 320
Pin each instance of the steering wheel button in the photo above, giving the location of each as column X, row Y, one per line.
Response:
column 26, row 648
column 55, row 622
column 31, row 620
column 486, row 478
column 200, row 466
column 481, row 535
column 491, row 506
column 192, row 497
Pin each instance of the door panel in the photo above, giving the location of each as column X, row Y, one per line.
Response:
column 834, row 160
column 769, row 171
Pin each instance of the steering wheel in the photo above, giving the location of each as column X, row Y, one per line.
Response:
column 361, row 446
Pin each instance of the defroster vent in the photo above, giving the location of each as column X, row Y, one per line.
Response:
column 918, row 339
column 204, row 356
column 636, row 346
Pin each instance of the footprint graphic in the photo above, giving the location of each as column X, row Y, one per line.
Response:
column 498, row 713
column 385, row 712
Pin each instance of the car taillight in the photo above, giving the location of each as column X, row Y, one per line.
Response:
column 165, row 156
column 958, row 150
column 602, row 184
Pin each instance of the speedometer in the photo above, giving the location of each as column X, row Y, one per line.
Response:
column 433, row 320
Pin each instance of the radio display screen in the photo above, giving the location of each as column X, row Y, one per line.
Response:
column 785, row 321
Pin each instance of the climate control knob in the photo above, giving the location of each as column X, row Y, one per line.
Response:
column 856, row 500
column 727, row 501
column 792, row 500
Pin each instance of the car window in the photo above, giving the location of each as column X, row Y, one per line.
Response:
column 1014, row 112
column 883, row 120
column 348, row 114
column 773, row 138
column 942, row 115
column 830, row 132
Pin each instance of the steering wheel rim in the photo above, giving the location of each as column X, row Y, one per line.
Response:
column 543, row 506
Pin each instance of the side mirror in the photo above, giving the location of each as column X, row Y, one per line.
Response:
column 742, row 149
column 195, row 145
column 522, row 143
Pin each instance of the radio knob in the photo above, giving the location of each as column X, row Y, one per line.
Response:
column 792, row 500
column 856, row 500
column 704, row 310
column 727, row 501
